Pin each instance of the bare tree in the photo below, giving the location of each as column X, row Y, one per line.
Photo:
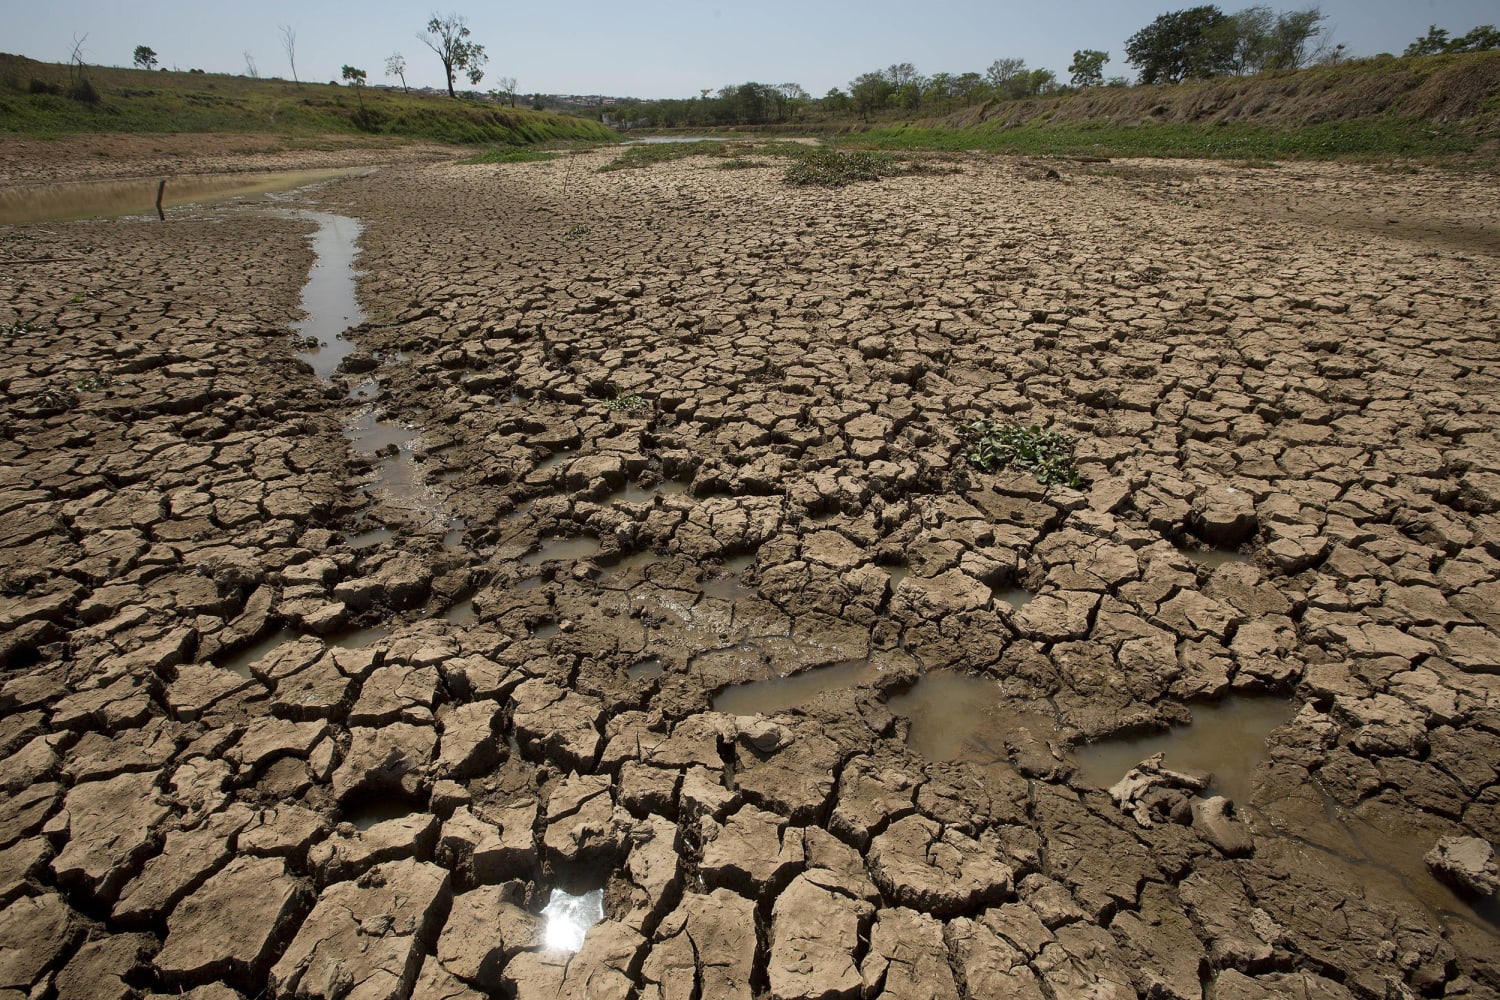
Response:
column 395, row 65
column 75, row 59
column 250, row 69
column 506, row 87
column 289, row 43
column 449, row 38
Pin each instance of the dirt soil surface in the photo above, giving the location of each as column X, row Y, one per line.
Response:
column 269, row 730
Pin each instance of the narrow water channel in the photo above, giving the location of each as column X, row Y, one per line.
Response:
column 330, row 305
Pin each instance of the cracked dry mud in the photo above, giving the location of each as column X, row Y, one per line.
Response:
column 456, row 715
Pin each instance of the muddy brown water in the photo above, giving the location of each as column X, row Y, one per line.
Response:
column 563, row 549
column 70, row 200
column 330, row 306
column 1014, row 596
column 238, row 662
column 779, row 694
column 958, row 717
column 1227, row 739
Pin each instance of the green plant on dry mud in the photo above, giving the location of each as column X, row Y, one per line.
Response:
column 95, row 380
column 626, row 402
column 1046, row 454
column 826, row 167
column 576, row 231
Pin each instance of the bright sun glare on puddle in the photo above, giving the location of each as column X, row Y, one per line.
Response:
column 570, row 917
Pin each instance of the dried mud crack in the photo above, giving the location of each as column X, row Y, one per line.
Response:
column 323, row 688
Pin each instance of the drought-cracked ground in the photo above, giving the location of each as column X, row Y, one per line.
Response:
column 678, row 430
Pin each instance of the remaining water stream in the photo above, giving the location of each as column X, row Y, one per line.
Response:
column 330, row 305
column 329, row 301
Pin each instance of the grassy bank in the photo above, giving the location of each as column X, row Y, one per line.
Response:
column 1369, row 139
column 1439, row 107
column 40, row 99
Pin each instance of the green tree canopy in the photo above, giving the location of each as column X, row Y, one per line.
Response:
column 145, row 57
column 1437, row 41
column 1185, row 44
column 449, row 38
column 1087, row 68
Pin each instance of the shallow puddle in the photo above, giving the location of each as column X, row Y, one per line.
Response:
column 238, row 662
column 358, row 638
column 635, row 561
column 646, row 670
column 1227, row 739
column 1014, row 596
column 779, row 694
column 461, row 613
column 569, row 549
column 370, row 539
column 62, row 202
column 569, row 918
column 958, row 717
column 633, row 493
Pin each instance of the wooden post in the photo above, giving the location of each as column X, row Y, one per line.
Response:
column 161, row 189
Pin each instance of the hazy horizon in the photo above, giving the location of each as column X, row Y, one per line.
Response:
column 662, row 49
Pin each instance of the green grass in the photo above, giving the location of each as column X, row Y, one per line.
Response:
column 1369, row 138
column 138, row 101
column 514, row 154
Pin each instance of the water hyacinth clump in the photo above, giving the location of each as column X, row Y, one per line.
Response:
column 1046, row 454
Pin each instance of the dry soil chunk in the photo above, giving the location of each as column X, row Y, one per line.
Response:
column 391, row 758
column 364, row 940
column 704, row 948
column 35, row 932
column 908, row 959
column 484, row 930
column 919, row 864
column 112, row 825
column 231, row 928
column 814, row 934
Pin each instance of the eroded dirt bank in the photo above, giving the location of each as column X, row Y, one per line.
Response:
column 680, row 430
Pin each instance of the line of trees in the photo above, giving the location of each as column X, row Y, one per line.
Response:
column 897, row 88
column 1436, row 41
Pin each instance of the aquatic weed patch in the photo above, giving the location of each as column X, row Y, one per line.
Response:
column 518, row 155
column 1046, row 454
column 823, row 167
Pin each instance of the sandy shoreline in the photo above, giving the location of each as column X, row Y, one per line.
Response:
column 692, row 429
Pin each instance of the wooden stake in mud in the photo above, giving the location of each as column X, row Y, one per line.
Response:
column 161, row 189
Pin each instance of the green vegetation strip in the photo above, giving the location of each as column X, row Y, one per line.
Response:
column 521, row 154
column 34, row 100
column 1373, row 138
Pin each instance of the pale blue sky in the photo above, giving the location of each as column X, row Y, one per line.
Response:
column 658, row 48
